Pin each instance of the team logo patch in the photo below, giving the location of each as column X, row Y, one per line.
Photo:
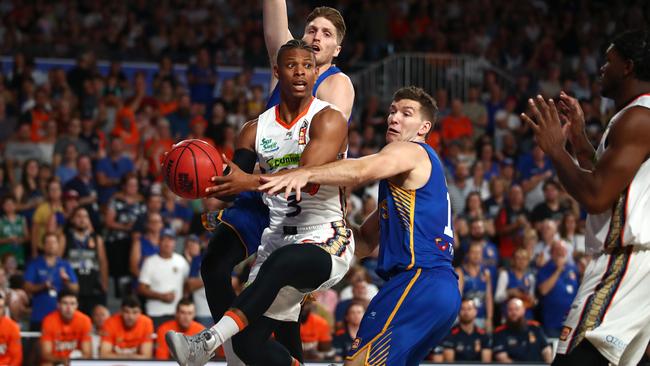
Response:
column 302, row 135
column 356, row 343
column 565, row 333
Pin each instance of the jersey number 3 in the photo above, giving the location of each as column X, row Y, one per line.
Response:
column 293, row 203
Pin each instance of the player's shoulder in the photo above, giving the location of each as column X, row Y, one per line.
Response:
column 51, row 319
column 633, row 122
column 81, row 319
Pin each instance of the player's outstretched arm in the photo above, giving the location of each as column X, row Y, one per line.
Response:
column 598, row 189
column 276, row 28
column 394, row 159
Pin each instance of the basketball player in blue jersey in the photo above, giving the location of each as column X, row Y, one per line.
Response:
column 238, row 229
column 417, row 305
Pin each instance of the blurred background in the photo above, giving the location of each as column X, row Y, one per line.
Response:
column 93, row 93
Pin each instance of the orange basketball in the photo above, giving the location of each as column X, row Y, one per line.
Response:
column 189, row 166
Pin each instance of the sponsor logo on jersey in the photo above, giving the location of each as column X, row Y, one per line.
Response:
column 618, row 343
column 284, row 161
column 268, row 145
column 302, row 135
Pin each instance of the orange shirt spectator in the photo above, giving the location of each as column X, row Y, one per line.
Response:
column 62, row 337
column 39, row 119
column 128, row 333
column 11, row 350
column 456, row 125
column 126, row 127
column 166, row 108
column 162, row 352
column 315, row 334
column 433, row 140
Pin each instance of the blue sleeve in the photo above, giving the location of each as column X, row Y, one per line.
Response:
column 30, row 273
column 195, row 266
column 543, row 341
column 70, row 272
column 544, row 274
column 102, row 166
column 128, row 165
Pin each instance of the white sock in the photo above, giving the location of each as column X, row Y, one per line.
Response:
column 231, row 356
column 225, row 328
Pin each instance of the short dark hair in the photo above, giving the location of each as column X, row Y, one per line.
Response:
column 428, row 105
column 292, row 45
column 635, row 46
column 333, row 16
column 552, row 182
column 184, row 302
column 131, row 301
column 66, row 293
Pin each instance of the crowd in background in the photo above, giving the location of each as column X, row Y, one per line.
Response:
column 87, row 222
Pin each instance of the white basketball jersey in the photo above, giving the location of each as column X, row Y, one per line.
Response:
column 279, row 146
column 628, row 222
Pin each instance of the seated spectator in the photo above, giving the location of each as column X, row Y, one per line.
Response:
column 535, row 169
column 551, row 208
column 45, row 277
column 517, row 281
column 127, row 335
column 66, row 332
column 497, row 198
column 111, row 170
column 175, row 212
column 519, row 340
column 183, row 323
column 466, row 341
column 99, row 315
column 475, row 283
column 557, row 283
column 84, row 184
column 315, row 334
column 478, row 234
column 194, row 285
column 460, row 188
column 13, row 230
column 11, row 348
column 347, row 333
column 48, row 217
column 144, row 246
column 87, row 255
column 548, row 236
column 359, row 295
column 571, row 233
column 67, row 169
column 355, row 274
column 162, row 278
column 511, row 222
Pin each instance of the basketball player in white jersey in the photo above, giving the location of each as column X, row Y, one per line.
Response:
column 307, row 245
column 609, row 321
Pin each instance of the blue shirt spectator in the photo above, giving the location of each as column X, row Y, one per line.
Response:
column 111, row 169
column 558, row 283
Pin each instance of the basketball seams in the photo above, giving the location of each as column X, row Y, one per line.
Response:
column 182, row 183
column 178, row 160
column 214, row 166
column 196, row 172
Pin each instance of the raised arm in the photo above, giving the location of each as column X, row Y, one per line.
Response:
column 276, row 29
column 598, row 189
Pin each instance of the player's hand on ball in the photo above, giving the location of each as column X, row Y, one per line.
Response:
column 294, row 180
column 235, row 182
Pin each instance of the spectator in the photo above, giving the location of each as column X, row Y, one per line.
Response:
column 355, row 274
column 46, row 276
column 127, row 334
column 475, row 111
column 87, row 255
column 11, row 348
column 66, row 332
column 99, row 315
column 13, row 230
column 517, row 281
column 179, row 120
column 15, row 299
column 511, row 222
column 571, row 233
column 359, row 295
column 175, row 212
column 478, row 234
column 156, row 146
column 467, row 341
column 67, row 169
column 93, row 137
column 162, row 278
column 557, row 284
column 20, row 150
column 201, row 78
column 345, row 335
column 456, row 125
column 84, row 184
column 551, row 208
column 315, row 334
column 144, row 246
column 497, row 199
column 535, row 168
column 124, row 208
column 72, row 137
column 519, row 340
column 111, row 170
column 475, row 283
column 48, row 216
column 548, row 236
column 182, row 323
column 195, row 286
column 460, row 188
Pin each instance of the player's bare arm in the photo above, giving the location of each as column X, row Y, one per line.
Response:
column 402, row 162
column 366, row 236
column 597, row 189
column 338, row 90
column 276, row 29
column 236, row 179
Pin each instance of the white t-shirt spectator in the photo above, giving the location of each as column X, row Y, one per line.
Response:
column 164, row 275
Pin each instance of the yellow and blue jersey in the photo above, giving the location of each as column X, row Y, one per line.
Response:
column 415, row 225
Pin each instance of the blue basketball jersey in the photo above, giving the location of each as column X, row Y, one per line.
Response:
column 274, row 99
column 415, row 225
